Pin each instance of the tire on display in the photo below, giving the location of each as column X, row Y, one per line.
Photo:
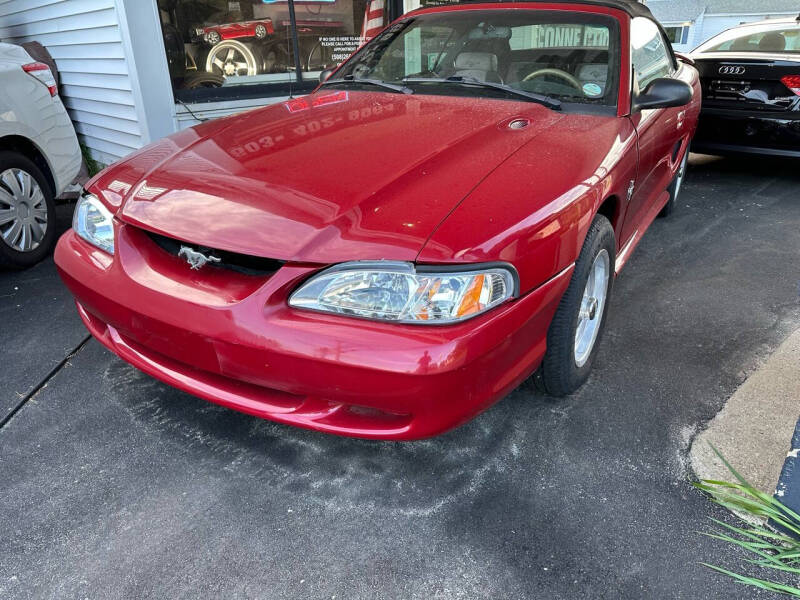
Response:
column 27, row 212
column 275, row 59
column 318, row 58
column 577, row 327
column 261, row 32
column 232, row 58
column 202, row 80
column 674, row 188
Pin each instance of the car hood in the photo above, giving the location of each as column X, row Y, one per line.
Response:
column 334, row 176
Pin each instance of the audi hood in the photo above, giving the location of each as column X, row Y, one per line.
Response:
column 330, row 177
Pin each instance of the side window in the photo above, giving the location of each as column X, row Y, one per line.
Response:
column 651, row 57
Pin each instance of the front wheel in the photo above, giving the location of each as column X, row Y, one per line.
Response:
column 674, row 188
column 574, row 334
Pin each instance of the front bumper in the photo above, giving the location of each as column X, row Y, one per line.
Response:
column 726, row 131
column 233, row 340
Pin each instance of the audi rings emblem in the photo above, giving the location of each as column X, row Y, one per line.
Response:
column 731, row 70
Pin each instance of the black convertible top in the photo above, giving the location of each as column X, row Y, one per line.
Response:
column 632, row 7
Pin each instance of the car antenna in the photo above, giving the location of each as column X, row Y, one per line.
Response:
column 292, row 76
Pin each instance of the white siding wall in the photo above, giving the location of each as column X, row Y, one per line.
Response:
column 696, row 36
column 85, row 39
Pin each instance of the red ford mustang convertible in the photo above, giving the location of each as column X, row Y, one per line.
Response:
column 388, row 256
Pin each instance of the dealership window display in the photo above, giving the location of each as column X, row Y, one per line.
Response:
column 249, row 46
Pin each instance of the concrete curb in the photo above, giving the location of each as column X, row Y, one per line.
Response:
column 753, row 429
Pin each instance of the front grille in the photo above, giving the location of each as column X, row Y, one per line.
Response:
column 233, row 261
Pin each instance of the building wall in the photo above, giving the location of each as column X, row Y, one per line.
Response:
column 86, row 41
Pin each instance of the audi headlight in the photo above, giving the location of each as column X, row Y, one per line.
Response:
column 399, row 292
column 94, row 222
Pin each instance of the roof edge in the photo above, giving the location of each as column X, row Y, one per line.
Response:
column 631, row 7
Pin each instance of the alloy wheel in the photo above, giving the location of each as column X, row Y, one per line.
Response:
column 681, row 174
column 231, row 59
column 590, row 315
column 23, row 210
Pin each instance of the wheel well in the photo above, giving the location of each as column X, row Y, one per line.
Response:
column 24, row 146
column 610, row 210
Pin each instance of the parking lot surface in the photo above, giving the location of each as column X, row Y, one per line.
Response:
column 114, row 485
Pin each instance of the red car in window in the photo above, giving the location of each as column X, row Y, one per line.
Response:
column 214, row 34
column 387, row 257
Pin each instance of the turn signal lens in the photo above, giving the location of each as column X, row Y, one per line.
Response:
column 792, row 82
column 398, row 292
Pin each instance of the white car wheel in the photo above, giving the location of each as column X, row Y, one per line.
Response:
column 231, row 58
column 27, row 212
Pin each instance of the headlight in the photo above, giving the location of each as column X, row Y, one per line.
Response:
column 93, row 222
column 389, row 291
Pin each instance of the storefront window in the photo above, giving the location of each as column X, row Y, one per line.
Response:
column 234, row 46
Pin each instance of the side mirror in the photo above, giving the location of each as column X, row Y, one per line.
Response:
column 684, row 58
column 325, row 74
column 663, row 93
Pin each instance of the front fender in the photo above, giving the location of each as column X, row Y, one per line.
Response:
column 535, row 209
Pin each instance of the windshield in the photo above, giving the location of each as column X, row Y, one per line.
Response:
column 778, row 38
column 568, row 56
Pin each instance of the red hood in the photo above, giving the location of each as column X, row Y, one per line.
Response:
column 359, row 175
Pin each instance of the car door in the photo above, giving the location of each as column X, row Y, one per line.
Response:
column 661, row 132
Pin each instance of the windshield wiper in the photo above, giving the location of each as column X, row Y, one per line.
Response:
column 378, row 82
column 458, row 79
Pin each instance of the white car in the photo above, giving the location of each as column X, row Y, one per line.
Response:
column 39, row 157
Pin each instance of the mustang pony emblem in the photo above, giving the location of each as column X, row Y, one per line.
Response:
column 196, row 259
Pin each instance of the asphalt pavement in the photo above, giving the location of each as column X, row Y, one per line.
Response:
column 116, row 486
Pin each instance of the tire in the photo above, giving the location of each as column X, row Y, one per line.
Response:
column 213, row 38
column 674, row 188
column 202, row 80
column 568, row 363
column 260, row 32
column 232, row 58
column 275, row 59
column 41, row 214
column 317, row 59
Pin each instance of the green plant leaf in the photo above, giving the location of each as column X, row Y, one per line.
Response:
column 774, row 550
column 761, row 583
